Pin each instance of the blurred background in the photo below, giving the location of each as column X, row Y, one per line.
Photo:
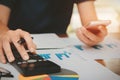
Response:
column 106, row 10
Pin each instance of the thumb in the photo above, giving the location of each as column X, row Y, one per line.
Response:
column 103, row 30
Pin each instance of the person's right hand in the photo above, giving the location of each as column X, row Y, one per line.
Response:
column 94, row 32
column 13, row 36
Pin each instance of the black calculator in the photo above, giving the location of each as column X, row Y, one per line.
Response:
column 36, row 65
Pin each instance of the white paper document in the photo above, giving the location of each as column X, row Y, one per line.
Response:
column 86, row 69
column 49, row 40
column 109, row 48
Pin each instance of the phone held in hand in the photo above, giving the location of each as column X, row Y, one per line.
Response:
column 98, row 23
column 93, row 26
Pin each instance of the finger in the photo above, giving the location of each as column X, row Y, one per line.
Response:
column 90, row 35
column 21, row 50
column 2, row 57
column 8, row 52
column 19, row 47
column 31, row 46
column 83, row 38
column 103, row 31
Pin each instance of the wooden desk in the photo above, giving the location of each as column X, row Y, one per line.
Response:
column 112, row 64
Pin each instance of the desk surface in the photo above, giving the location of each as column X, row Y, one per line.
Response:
column 112, row 64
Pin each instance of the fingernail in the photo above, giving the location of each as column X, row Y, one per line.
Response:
column 32, row 49
column 11, row 59
column 26, row 57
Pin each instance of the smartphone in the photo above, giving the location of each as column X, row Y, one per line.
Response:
column 98, row 23
column 93, row 25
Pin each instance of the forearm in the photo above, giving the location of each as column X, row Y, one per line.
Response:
column 4, row 16
column 87, row 12
column 92, row 35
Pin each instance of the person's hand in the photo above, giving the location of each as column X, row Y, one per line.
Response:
column 92, row 35
column 13, row 36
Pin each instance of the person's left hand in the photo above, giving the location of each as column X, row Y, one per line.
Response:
column 92, row 35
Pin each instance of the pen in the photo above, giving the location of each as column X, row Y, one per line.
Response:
column 22, row 41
